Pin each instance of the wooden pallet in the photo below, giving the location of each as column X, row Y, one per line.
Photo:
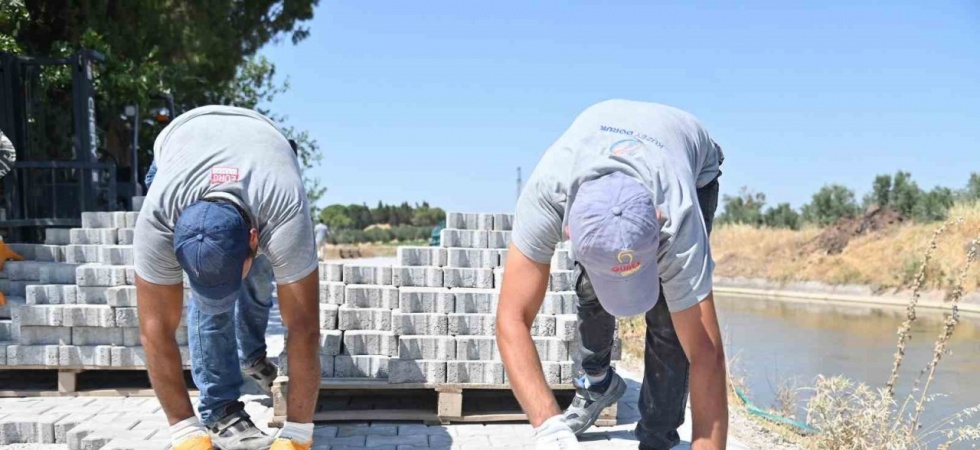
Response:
column 375, row 400
column 47, row 381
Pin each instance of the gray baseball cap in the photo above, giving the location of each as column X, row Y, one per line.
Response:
column 616, row 236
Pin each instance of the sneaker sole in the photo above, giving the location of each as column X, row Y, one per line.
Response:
column 603, row 404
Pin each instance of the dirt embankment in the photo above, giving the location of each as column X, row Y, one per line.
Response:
column 877, row 249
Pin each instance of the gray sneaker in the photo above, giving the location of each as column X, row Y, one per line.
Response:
column 589, row 403
column 237, row 432
column 263, row 373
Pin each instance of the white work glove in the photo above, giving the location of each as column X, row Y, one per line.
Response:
column 554, row 434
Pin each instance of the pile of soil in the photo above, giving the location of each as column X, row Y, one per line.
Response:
column 833, row 240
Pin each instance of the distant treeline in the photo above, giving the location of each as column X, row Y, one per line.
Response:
column 835, row 202
column 350, row 224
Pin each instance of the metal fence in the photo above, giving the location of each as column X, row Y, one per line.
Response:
column 52, row 193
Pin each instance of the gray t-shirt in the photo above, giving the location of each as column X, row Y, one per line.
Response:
column 235, row 154
column 321, row 231
column 666, row 149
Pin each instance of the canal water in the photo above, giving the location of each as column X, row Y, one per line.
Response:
column 779, row 342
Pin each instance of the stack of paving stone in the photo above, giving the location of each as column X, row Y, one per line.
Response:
column 431, row 318
column 72, row 303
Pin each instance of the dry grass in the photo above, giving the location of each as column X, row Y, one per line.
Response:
column 885, row 259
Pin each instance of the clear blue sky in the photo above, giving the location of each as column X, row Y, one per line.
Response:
column 442, row 101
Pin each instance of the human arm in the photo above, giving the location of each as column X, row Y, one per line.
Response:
column 160, row 308
column 299, row 305
column 521, row 295
column 698, row 331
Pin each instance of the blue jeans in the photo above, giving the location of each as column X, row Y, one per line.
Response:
column 663, row 395
column 217, row 371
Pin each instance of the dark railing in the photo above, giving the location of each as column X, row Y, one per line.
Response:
column 51, row 193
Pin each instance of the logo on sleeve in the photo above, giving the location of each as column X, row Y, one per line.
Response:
column 627, row 265
column 223, row 175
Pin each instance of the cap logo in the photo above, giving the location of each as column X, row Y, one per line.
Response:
column 223, row 175
column 627, row 265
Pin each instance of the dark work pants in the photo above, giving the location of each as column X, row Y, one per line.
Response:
column 663, row 397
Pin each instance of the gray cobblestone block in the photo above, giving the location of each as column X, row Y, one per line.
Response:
column 120, row 296
column 468, row 278
column 58, row 273
column 326, row 365
column 31, row 335
column 498, row 239
column 57, row 236
column 416, row 276
column 330, row 341
column 348, row 366
column 328, row 316
column 426, row 300
column 126, row 236
column 78, row 433
column 88, row 316
column 543, row 325
column 104, row 219
column 501, row 258
column 364, row 319
column 563, row 280
column 438, row 348
column 367, row 274
column 369, row 342
column 566, row 327
column 81, row 254
column 331, row 272
column 99, row 335
column 32, row 355
column 126, row 317
column 563, row 302
column 89, row 355
column 52, row 316
column 421, row 256
column 471, row 258
column 503, row 222
column 100, row 275
column 472, row 324
column 52, row 294
column 476, row 301
column 7, row 310
column 3, row 356
column 116, row 255
column 425, row 324
column 8, row 332
column 17, row 288
column 24, row 270
column 552, row 373
column 415, row 371
column 135, row 357
column 498, row 277
column 99, row 439
column 551, row 349
column 138, row 202
column 463, row 238
column 567, row 371
column 28, row 251
column 70, row 421
column 484, row 221
column 476, row 348
column 29, row 428
column 131, row 217
column 50, row 253
column 157, row 442
column 462, row 221
column 475, row 372
column 93, row 295
column 94, row 236
column 332, row 292
column 562, row 260
column 371, row 296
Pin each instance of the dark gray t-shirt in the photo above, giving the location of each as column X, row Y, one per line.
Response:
column 235, row 154
column 666, row 149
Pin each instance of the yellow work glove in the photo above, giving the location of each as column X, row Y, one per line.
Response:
column 7, row 254
column 289, row 444
column 197, row 442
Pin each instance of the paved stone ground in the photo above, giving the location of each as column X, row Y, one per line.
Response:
column 114, row 423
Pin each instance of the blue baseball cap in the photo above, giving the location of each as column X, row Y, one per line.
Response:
column 211, row 245
column 616, row 236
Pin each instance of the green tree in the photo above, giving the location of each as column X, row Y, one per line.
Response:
column 972, row 191
column 880, row 191
column 830, row 204
column 782, row 216
column 905, row 194
column 337, row 217
column 745, row 208
column 199, row 52
column 933, row 205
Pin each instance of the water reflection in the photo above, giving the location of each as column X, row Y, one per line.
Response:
column 777, row 341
